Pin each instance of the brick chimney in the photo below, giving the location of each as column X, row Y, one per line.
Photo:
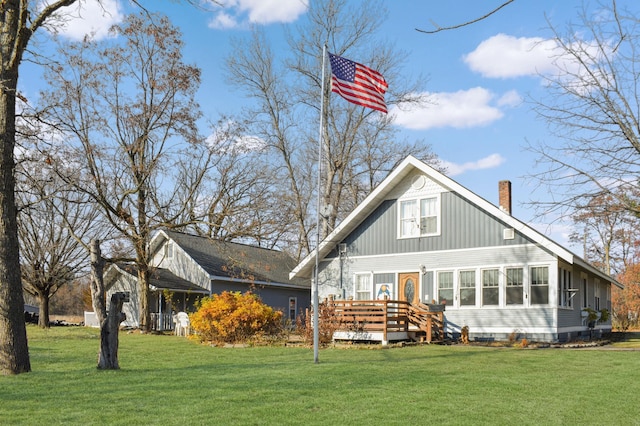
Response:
column 504, row 195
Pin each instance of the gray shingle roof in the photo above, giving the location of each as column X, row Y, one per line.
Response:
column 163, row 279
column 239, row 261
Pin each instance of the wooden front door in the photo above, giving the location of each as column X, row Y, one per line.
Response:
column 408, row 287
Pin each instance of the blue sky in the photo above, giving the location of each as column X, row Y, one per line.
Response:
column 478, row 77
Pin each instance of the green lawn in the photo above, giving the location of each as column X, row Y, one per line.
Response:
column 169, row 380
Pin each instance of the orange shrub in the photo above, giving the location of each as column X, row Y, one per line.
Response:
column 327, row 324
column 231, row 317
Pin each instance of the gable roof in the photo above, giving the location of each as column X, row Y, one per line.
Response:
column 404, row 169
column 234, row 261
column 160, row 278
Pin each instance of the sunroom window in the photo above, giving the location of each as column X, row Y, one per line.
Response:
column 539, row 285
column 490, row 287
column 467, row 288
column 445, row 287
column 515, row 286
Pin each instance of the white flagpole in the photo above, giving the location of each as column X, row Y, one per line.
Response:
column 316, row 304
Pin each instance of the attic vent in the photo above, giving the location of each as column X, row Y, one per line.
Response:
column 418, row 182
column 509, row 233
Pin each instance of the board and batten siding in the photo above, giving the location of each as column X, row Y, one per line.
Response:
column 463, row 226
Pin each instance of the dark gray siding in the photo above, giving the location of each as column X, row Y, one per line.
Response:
column 276, row 297
column 463, row 226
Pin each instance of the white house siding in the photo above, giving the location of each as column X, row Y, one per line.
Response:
column 499, row 322
column 489, row 257
column 182, row 265
column 131, row 309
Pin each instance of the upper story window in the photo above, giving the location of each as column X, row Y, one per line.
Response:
column 419, row 217
column 168, row 250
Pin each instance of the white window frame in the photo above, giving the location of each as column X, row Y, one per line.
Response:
column 452, row 288
column 492, row 287
column 361, row 291
column 584, row 288
column 410, row 225
column 168, row 250
column 565, row 280
column 521, row 286
column 465, row 286
column 532, row 285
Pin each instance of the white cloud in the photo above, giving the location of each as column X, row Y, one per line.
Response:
column 223, row 21
column 461, row 109
column 489, row 162
column 89, row 17
column 504, row 56
column 263, row 12
column 511, row 99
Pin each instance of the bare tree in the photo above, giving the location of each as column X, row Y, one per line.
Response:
column 359, row 148
column 237, row 200
column 608, row 231
column 54, row 220
column 127, row 108
column 591, row 107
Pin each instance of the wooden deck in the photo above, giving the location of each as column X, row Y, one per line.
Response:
column 387, row 320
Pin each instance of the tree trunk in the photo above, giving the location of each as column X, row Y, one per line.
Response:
column 108, row 358
column 97, row 282
column 43, row 304
column 143, row 293
column 14, row 352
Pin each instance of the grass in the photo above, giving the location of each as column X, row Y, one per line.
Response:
column 170, row 380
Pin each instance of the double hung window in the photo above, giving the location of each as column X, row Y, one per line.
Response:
column 445, row 287
column 490, row 287
column 363, row 287
column 419, row 217
column 515, row 286
column 467, row 288
column 539, row 276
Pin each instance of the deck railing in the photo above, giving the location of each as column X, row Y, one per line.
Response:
column 388, row 316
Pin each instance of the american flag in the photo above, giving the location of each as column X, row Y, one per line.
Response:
column 358, row 84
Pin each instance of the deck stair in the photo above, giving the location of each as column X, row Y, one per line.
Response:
column 429, row 319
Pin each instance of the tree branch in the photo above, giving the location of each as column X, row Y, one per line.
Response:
column 439, row 29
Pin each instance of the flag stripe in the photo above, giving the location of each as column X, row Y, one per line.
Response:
column 357, row 83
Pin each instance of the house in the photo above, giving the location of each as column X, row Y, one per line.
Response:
column 423, row 238
column 187, row 267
